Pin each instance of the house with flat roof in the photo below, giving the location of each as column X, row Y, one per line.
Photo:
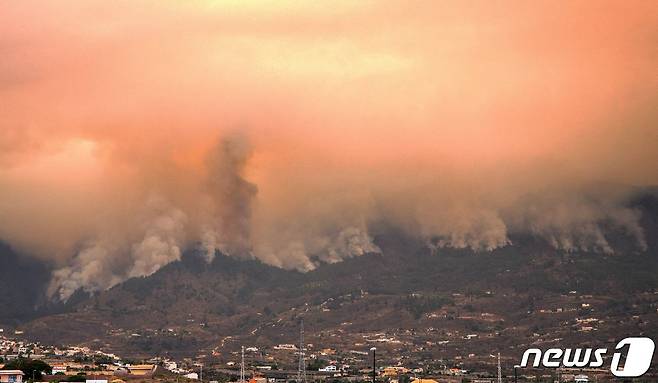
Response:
column 141, row 369
column 11, row 376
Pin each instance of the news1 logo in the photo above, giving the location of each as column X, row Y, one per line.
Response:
column 638, row 357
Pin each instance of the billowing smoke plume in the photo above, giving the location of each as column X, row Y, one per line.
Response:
column 464, row 125
column 105, row 261
column 232, row 198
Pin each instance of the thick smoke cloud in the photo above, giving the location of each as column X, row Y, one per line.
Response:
column 105, row 261
column 464, row 125
column 232, row 196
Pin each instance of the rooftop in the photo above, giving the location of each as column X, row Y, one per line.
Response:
column 11, row 372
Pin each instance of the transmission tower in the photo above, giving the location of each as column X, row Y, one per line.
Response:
column 301, row 372
column 500, row 372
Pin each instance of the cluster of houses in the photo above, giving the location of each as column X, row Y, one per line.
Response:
column 91, row 366
column 12, row 349
column 83, row 365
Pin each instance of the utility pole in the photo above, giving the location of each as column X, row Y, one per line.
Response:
column 242, row 367
column 374, row 364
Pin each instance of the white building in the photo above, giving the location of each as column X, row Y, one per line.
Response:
column 286, row 346
column 59, row 369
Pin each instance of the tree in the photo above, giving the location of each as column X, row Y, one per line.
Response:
column 81, row 376
column 33, row 369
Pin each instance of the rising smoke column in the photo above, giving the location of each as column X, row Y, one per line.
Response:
column 232, row 197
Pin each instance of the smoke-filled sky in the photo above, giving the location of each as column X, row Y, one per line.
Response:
column 284, row 130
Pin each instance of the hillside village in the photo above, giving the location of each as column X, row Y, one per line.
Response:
column 275, row 364
column 455, row 342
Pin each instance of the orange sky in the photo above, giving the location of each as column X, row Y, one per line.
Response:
column 437, row 115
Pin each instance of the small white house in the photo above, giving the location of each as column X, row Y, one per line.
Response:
column 11, row 376
column 330, row 368
column 286, row 346
column 59, row 369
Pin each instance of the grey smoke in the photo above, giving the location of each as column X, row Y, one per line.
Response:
column 106, row 261
column 231, row 195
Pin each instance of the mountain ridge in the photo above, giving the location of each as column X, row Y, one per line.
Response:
column 205, row 301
